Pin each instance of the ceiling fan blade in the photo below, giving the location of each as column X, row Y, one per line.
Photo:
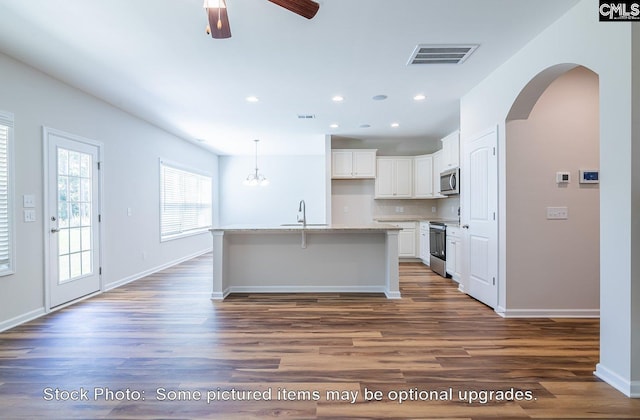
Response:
column 305, row 8
column 219, row 17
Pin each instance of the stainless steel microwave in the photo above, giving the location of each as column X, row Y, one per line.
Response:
column 450, row 182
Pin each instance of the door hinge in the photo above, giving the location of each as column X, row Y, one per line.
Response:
column 100, row 270
column 99, row 218
column 494, row 215
column 494, row 151
column 99, row 165
column 494, row 281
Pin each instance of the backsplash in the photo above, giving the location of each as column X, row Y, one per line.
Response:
column 421, row 208
column 448, row 207
column 353, row 202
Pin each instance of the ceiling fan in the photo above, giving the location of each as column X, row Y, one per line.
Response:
column 219, row 28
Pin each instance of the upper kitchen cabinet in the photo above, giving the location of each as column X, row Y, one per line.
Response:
column 451, row 151
column 437, row 168
column 423, row 176
column 394, row 177
column 353, row 163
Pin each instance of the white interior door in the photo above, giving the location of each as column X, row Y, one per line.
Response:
column 73, row 204
column 480, row 202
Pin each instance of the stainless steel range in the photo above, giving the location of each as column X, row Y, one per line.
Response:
column 438, row 246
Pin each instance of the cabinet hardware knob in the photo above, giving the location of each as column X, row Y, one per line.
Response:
column 465, row 226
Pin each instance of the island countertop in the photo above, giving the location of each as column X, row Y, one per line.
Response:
column 297, row 227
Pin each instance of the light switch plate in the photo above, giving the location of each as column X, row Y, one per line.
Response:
column 29, row 216
column 28, row 201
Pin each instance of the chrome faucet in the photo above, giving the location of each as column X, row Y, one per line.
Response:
column 302, row 207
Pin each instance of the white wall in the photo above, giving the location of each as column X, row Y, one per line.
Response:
column 131, row 180
column 607, row 49
column 292, row 178
column 553, row 266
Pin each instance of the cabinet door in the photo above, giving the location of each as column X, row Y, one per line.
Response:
column 403, row 178
column 341, row 164
column 424, row 243
column 384, row 178
column 437, row 168
column 451, row 255
column 423, row 177
column 457, row 271
column 407, row 243
column 364, row 164
column 451, row 151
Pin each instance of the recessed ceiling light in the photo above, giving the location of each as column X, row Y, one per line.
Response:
column 379, row 97
column 419, row 97
column 337, row 98
column 334, row 126
column 252, row 99
column 395, row 125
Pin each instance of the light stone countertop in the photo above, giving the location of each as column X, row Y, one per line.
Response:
column 409, row 218
column 319, row 228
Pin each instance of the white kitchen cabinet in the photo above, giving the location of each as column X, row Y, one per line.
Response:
column 451, row 151
column 454, row 252
column 437, row 168
column 407, row 239
column 423, row 176
column 394, row 177
column 353, row 163
column 424, row 243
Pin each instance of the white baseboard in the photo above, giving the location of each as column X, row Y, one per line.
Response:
column 153, row 270
column 308, row 289
column 21, row 319
column 629, row 388
column 548, row 313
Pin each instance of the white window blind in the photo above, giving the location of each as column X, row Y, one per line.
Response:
column 185, row 201
column 6, row 228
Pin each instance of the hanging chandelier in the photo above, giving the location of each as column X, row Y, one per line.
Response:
column 256, row 178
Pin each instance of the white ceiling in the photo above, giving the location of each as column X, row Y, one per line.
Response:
column 153, row 59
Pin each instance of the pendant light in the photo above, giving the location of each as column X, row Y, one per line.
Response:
column 255, row 178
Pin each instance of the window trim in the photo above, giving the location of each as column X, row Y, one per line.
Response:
column 8, row 119
column 171, row 164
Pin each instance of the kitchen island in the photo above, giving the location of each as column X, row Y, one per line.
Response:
column 297, row 259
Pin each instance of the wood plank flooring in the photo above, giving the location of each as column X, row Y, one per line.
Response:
column 159, row 348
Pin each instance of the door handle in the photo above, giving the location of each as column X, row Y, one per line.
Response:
column 465, row 226
column 56, row 230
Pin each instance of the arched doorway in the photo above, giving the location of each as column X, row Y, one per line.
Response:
column 552, row 228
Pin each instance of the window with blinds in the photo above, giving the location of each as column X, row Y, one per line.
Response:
column 6, row 196
column 185, row 202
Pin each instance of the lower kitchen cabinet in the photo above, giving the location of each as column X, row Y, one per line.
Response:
column 424, row 243
column 454, row 252
column 407, row 239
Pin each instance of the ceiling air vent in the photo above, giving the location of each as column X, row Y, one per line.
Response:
column 441, row 54
column 306, row 116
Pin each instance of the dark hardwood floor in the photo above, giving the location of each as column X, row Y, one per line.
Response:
column 160, row 348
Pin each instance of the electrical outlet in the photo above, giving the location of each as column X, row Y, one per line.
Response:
column 345, row 209
column 434, row 209
column 557, row 213
column 129, row 211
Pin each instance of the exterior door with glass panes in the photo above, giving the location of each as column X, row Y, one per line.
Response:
column 73, row 212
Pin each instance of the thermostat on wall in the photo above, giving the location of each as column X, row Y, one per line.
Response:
column 562, row 177
column 589, row 176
